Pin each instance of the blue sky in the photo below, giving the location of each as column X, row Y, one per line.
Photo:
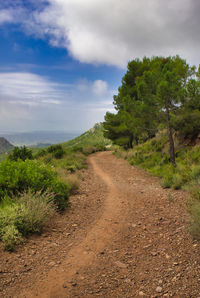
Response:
column 61, row 61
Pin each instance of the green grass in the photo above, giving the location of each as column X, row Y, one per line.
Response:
column 153, row 156
column 28, row 213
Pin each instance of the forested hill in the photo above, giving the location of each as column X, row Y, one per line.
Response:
column 5, row 146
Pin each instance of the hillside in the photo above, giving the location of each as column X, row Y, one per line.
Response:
column 153, row 156
column 5, row 146
column 93, row 136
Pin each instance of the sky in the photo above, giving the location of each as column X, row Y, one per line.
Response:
column 61, row 61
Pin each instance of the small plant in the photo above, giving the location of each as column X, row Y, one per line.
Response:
column 48, row 159
column 11, row 237
column 73, row 183
column 54, row 148
column 195, row 172
column 40, row 153
column 24, row 215
column 89, row 150
column 194, row 210
column 167, row 181
column 59, row 153
column 177, row 181
column 170, row 198
column 34, row 210
column 22, row 153
column 71, row 168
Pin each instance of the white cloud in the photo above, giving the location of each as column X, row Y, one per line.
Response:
column 115, row 31
column 6, row 16
column 100, row 87
column 32, row 102
column 27, row 89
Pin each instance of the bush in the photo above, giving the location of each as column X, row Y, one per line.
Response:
column 11, row 237
column 195, row 172
column 187, row 124
column 61, row 194
column 54, row 148
column 167, row 181
column 23, row 215
column 75, row 161
column 77, row 148
column 19, row 176
column 59, row 153
column 48, row 159
column 89, row 150
column 33, row 211
column 194, row 210
column 71, row 168
column 40, row 153
column 177, row 181
column 73, row 183
column 22, row 153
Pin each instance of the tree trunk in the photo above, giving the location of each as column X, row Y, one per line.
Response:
column 171, row 140
column 131, row 141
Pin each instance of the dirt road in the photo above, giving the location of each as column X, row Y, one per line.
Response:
column 124, row 236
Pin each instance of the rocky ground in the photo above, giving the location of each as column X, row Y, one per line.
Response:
column 124, row 236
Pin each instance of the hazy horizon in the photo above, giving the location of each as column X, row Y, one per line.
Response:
column 39, row 137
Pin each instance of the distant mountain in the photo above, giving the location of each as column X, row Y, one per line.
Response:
column 5, row 146
column 36, row 138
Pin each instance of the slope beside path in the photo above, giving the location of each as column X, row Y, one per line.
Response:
column 124, row 236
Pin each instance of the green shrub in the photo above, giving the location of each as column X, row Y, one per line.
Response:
column 77, row 148
column 177, row 181
column 75, row 161
column 48, row 159
column 89, row 150
column 40, row 153
column 23, row 215
column 194, row 210
column 71, row 168
column 54, row 148
column 100, row 147
column 73, row 183
column 11, row 237
column 59, row 153
column 187, row 124
column 33, row 211
column 19, row 176
column 22, row 153
column 167, row 181
column 195, row 172
column 8, row 215
column 61, row 194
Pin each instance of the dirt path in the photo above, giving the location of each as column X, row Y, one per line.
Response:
column 123, row 237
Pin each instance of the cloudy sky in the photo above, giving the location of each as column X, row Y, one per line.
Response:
column 61, row 61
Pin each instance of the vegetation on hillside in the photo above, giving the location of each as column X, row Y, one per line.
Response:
column 34, row 186
column 157, row 114
column 5, row 146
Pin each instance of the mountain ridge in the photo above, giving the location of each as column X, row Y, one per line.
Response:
column 5, row 146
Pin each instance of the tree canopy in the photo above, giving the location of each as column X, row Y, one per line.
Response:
column 155, row 92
